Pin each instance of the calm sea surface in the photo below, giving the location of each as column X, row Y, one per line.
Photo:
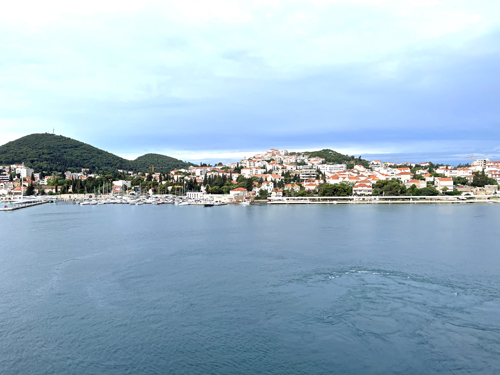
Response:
column 120, row 289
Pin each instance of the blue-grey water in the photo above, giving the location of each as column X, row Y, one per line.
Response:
column 400, row 289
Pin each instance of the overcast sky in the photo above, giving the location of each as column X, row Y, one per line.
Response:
column 218, row 80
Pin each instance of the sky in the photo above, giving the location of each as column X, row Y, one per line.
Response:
column 222, row 79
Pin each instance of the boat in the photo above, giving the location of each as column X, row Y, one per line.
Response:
column 85, row 202
column 208, row 204
column 246, row 202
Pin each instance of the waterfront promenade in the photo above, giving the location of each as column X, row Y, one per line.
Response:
column 387, row 200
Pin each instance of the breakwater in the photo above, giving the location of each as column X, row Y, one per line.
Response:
column 12, row 206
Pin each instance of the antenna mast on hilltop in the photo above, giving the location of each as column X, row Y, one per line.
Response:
column 53, row 131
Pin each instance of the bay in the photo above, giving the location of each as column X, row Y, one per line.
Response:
column 345, row 289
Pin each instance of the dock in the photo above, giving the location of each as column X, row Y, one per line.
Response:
column 12, row 206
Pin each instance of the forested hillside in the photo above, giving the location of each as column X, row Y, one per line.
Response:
column 160, row 162
column 49, row 152
column 334, row 157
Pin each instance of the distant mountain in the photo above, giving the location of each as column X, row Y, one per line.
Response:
column 334, row 157
column 49, row 152
column 161, row 163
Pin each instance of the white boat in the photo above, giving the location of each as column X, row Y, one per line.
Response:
column 246, row 202
column 85, row 203
column 184, row 204
column 139, row 203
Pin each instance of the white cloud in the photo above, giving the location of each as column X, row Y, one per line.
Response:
column 62, row 58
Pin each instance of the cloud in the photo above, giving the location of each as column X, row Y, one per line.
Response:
column 223, row 76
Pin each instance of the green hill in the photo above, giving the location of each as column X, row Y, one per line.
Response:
column 334, row 157
column 161, row 163
column 49, row 152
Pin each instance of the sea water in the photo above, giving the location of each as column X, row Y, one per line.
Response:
column 306, row 289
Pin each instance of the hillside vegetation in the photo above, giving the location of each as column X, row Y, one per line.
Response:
column 49, row 152
column 334, row 157
column 160, row 162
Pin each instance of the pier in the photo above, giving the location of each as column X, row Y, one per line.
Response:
column 13, row 205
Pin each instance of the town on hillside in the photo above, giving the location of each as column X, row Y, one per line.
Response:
column 271, row 174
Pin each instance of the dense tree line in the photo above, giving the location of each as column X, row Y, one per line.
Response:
column 480, row 179
column 334, row 157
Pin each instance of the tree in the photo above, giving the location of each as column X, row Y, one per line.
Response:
column 216, row 190
column 301, row 193
column 30, row 190
column 389, row 188
column 342, row 189
column 249, row 184
column 454, row 192
column 460, row 181
column 480, row 179
column 412, row 190
column 263, row 194
column 427, row 191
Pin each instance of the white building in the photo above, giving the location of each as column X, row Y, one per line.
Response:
column 420, row 184
column 308, row 173
column 332, row 168
column 24, row 171
column 268, row 186
column 362, row 189
column 241, row 192
column 122, row 183
column 443, row 182
column 481, row 163
column 195, row 194
column 246, row 172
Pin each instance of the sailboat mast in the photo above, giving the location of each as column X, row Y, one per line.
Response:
column 22, row 183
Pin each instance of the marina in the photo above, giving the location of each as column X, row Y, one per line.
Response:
column 207, row 201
